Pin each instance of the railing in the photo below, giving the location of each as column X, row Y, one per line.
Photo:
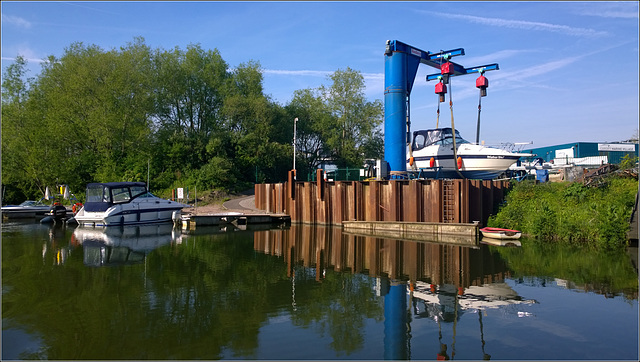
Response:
column 344, row 174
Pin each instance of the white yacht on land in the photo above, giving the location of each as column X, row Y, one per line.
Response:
column 125, row 203
column 432, row 156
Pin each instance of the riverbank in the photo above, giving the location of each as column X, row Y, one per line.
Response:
column 571, row 211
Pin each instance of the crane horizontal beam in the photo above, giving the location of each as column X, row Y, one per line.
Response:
column 428, row 58
column 460, row 70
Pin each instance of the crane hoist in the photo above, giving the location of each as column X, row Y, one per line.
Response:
column 401, row 67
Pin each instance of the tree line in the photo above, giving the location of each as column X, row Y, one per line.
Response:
column 179, row 117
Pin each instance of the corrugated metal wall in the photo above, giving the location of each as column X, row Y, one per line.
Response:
column 330, row 203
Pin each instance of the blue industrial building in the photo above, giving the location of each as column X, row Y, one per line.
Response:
column 587, row 153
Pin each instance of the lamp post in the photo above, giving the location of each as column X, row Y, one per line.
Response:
column 295, row 121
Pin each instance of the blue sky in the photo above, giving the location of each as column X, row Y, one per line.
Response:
column 568, row 70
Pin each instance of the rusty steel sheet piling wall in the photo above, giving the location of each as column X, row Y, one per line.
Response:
column 332, row 202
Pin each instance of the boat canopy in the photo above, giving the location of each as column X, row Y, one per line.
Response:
column 438, row 136
column 101, row 196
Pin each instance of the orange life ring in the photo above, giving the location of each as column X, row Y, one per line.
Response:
column 76, row 207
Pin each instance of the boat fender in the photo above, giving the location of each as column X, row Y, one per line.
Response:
column 411, row 161
column 176, row 216
column 432, row 162
column 459, row 162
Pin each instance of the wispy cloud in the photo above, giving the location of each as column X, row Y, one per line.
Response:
column 495, row 57
column 615, row 10
column 540, row 69
column 16, row 20
column 521, row 24
column 318, row 73
column 304, row 73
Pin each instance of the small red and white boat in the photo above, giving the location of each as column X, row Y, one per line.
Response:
column 498, row 233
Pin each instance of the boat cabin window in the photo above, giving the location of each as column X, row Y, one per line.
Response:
column 120, row 194
column 138, row 190
column 439, row 137
column 97, row 193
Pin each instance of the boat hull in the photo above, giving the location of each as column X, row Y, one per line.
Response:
column 27, row 209
column 131, row 214
column 501, row 234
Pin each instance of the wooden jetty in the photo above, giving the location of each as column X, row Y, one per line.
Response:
column 334, row 202
column 233, row 218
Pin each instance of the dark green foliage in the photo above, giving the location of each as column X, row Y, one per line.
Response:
column 182, row 117
column 571, row 212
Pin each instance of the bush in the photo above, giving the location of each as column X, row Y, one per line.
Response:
column 570, row 212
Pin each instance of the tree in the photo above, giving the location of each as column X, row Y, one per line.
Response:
column 190, row 90
column 17, row 132
column 253, row 122
column 351, row 133
column 307, row 105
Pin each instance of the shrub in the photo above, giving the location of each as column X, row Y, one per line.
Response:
column 570, row 212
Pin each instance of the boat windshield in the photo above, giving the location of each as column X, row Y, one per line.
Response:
column 119, row 194
column 97, row 193
column 439, row 136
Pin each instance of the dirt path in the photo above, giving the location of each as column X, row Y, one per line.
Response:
column 242, row 204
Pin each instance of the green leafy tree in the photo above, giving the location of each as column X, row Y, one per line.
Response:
column 307, row 105
column 18, row 132
column 190, row 90
column 251, row 119
column 97, row 106
column 351, row 133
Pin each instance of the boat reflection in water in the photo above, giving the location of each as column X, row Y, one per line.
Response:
column 432, row 280
column 123, row 245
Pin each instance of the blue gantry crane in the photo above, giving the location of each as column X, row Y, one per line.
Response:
column 401, row 65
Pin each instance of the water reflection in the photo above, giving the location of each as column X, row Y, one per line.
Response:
column 122, row 245
column 324, row 248
column 442, row 281
column 306, row 293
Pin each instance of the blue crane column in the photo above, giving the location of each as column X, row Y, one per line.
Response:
column 399, row 73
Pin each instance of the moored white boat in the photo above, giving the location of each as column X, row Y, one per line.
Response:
column 432, row 154
column 125, row 203
column 499, row 233
column 27, row 209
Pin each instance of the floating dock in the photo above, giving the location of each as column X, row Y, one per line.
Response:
column 462, row 234
column 190, row 222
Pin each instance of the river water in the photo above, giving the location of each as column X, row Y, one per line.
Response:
column 305, row 292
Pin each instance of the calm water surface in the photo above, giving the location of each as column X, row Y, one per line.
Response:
column 307, row 293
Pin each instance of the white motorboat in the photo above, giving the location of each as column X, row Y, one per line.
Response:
column 432, row 156
column 27, row 209
column 125, row 203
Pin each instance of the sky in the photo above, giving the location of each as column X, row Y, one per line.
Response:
column 568, row 70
